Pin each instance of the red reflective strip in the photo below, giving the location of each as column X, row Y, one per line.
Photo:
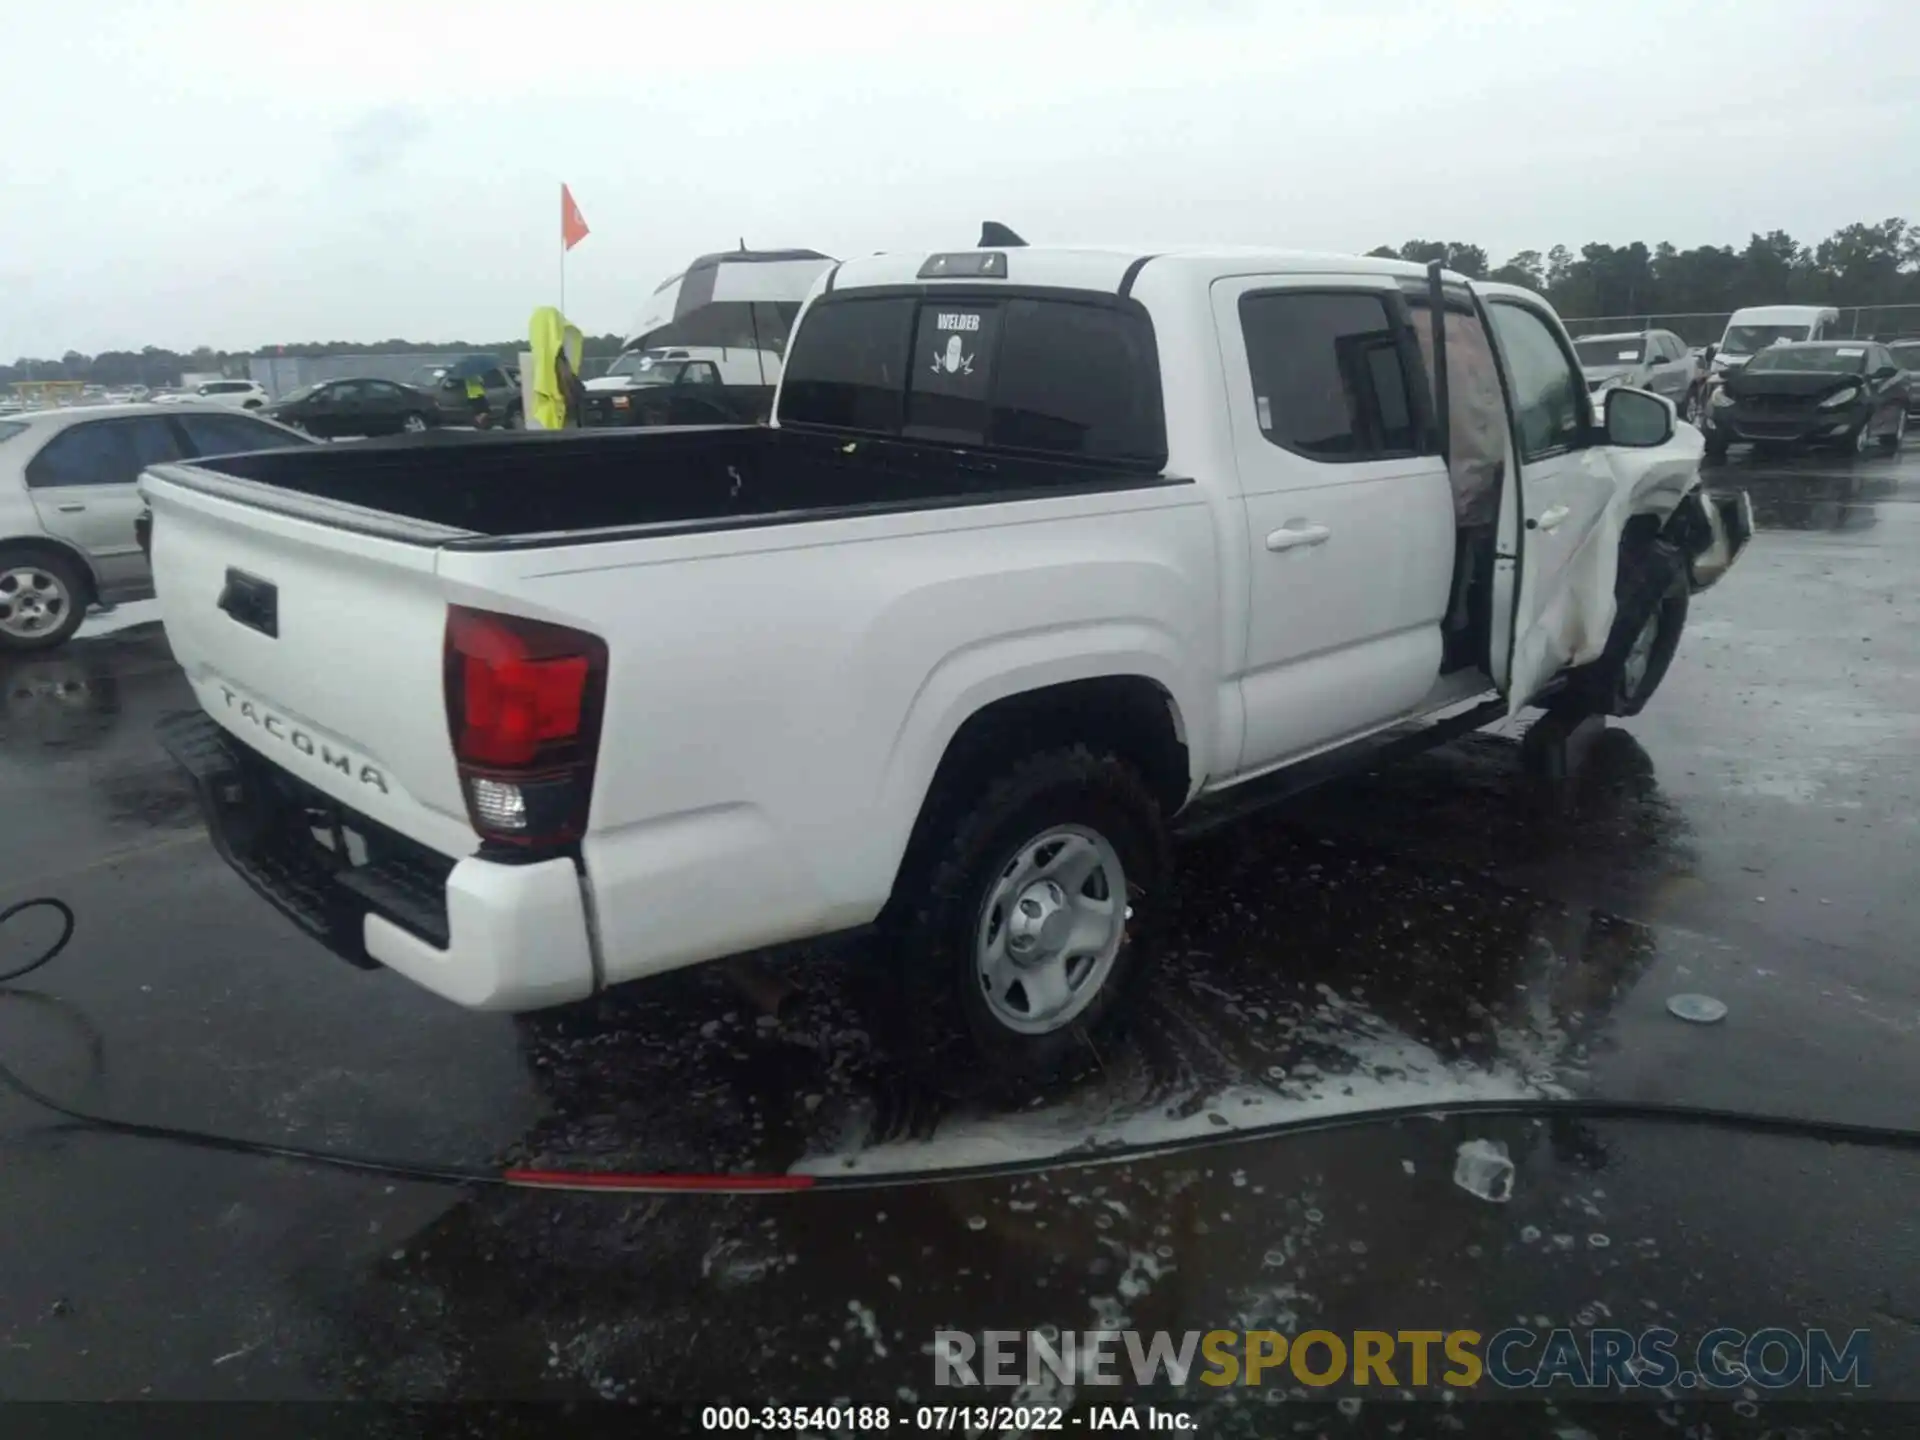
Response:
column 613, row 1180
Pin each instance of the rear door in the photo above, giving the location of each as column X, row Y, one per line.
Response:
column 1670, row 376
column 1349, row 516
column 387, row 406
column 1569, row 539
column 82, row 483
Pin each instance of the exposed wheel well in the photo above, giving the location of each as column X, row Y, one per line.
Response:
column 40, row 546
column 1130, row 716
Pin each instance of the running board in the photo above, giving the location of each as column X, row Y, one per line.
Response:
column 1385, row 747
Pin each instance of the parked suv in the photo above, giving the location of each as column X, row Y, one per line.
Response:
column 242, row 394
column 1656, row 360
column 448, row 385
column 68, row 506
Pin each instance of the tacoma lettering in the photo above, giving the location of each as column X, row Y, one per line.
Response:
column 293, row 735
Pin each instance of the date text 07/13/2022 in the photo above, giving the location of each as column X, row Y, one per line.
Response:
column 942, row 1419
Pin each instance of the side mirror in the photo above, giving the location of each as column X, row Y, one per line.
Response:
column 1638, row 418
column 1706, row 355
column 1886, row 372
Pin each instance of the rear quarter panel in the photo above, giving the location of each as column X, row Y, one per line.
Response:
column 779, row 698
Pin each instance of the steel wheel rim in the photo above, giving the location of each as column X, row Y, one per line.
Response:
column 1640, row 654
column 1050, row 929
column 33, row 602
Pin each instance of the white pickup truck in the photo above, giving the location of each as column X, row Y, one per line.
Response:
column 1043, row 548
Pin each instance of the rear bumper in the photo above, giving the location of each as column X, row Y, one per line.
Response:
column 483, row 934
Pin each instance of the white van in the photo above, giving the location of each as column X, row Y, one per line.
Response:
column 1753, row 329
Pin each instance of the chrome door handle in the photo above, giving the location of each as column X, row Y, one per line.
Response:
column 71, row 509
column 1551, row 517
column 1291, row 537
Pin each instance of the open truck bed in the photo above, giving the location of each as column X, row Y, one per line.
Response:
column 533, row 487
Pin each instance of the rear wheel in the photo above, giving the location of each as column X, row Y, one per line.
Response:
column 43, row 599
column 1891, row 441
column 414, row 422
column 1032, row 923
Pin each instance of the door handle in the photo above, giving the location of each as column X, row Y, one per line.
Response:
column 1550, row 518
column 71, row 509
column 1292, row 537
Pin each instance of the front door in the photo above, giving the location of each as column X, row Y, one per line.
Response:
column 329, row 410
column 1669, row 373
column 1569, row 538
column 1349, row 516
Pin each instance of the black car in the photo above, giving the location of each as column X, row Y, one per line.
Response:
column 1906, row 354
column 1850, row 394
column 333, row 408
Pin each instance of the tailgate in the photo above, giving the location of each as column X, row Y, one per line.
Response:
column 317, row 645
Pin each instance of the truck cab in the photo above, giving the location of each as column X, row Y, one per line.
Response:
column 684, row 385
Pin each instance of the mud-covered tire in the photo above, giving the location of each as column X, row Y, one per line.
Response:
column 1650, row 612
column 952, row 1034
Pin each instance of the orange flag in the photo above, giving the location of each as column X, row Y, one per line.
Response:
column 573, row 225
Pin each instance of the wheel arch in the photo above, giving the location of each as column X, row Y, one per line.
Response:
column 49, row 545
column 1134, row 715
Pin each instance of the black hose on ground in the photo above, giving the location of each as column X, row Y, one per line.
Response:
column 429, row 1173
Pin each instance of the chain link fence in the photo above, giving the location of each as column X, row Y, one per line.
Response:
column 1876, row 322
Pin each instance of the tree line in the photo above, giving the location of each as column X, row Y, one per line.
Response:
column 1860, row 265
column 1867, row 265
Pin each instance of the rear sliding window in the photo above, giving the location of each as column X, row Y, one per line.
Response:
column 1049, row 376
column 848, row 367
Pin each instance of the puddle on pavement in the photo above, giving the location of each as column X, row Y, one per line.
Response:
column 1305, row 976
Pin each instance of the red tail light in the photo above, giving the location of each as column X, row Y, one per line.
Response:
column 523, row 707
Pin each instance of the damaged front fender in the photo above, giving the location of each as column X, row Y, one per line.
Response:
column 1711, row 530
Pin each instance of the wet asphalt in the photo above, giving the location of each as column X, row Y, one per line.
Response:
column 1423, row 933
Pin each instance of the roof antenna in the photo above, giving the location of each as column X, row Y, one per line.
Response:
column 995, row 234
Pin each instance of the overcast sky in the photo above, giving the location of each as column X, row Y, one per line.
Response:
column 180, row 173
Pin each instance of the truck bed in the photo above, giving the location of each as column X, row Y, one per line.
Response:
column 501, row 487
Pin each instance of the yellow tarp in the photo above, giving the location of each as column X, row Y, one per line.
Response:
column 550, row 335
